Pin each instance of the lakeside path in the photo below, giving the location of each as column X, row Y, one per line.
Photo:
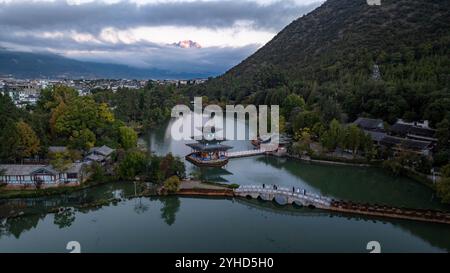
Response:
column 197, row 188
column 193, row 184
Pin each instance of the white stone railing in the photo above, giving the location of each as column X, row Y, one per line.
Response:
column 288, row 192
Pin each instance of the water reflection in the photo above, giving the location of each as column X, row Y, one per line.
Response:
column 139, row 206
column 17, row 225
column 170, row 207
column 64, row 218
column 212, row 174
column 285, row 228
column 432, row 233
column 340, row 182
column 244, row 225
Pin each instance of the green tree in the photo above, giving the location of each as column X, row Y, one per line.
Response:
column 50, row 98
column 170, row 166
column 353, row 138
column 303, row 143
column 9, row 114
column 134, row 164
column 305, row 119
column 333, row 137
column 366, row 145
column 97, row 172
column 317, row 130
column 443, row 186
column 81, row 113
column 9, row 139
column 128, row 137
column 443, row 134
column 83, row 139
column 292, row 102
column 61, row 161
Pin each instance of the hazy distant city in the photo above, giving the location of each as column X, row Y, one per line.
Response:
column 26, row 92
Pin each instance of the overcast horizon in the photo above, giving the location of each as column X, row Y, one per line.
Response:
column 144, row 33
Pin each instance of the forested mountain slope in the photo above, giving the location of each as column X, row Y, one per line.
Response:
column 332, row 56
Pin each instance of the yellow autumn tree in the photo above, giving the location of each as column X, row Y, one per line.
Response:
column 28, row 142
column 105, row 113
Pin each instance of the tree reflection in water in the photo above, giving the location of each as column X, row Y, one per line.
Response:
column 170, row 207
column 64, row 218
column 139, row 207
column 17, row 225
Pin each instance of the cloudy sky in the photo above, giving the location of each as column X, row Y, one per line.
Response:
column 142, row 32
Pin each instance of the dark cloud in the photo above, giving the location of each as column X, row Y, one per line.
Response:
column 213, row 60
column 94, row 16
column 22, row 25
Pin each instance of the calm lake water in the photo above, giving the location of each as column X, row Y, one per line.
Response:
column 173, row 224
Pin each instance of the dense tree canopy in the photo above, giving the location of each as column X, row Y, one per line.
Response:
column 28, row 143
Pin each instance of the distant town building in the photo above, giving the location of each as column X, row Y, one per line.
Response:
column 22, row 93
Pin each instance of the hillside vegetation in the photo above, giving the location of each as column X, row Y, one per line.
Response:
column 331, row 58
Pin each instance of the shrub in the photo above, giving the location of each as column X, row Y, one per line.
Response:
column 172, row 184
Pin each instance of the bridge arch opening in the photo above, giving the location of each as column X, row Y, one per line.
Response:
column 279, row 201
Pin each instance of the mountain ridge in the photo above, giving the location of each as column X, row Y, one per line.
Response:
column 327, row 56
column 47, row 65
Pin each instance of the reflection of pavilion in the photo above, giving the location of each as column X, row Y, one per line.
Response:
column 208, row 152
column 214, row 174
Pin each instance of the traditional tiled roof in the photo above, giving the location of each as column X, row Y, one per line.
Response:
column 75, row 168
column 104, row 150
column 375, row 136
column 94, row 157
column 369, row 123
column 404, row 129
column 17, row 169
column 406, row 143
column 14, row 169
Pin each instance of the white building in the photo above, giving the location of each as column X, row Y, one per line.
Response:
column 45, row 175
